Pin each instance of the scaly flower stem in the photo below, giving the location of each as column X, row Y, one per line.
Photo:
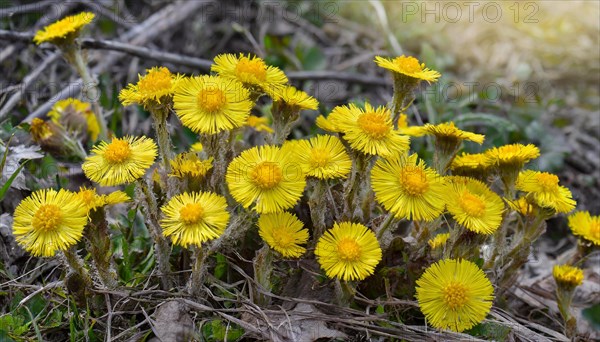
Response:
column 161, row 247
column 74, row 55
column 385, row 225
column 159, row 119
column 283, row 121
column 353, row 185
column 75, row 263
column 403, row 87
column 218, row 146
column 198, row 269
column 99, row 247
column 263, row 267
column 344, row 292
column 317, row 209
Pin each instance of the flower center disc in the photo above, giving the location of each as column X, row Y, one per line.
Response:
column 191, row 213
column 266, row 175
column 155, row 82
column 117, row 151
column 548, row 181
column 414, row 181
column 211, row 100
column 472, row 204
column 319, row 157
column 455, row 295
column 348, row 250
column 282, row 238
column 47, row 218
column 408, row 64
column 374, row 125
column 251, row 70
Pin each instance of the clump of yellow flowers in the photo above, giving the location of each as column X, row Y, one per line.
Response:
column 337, row 199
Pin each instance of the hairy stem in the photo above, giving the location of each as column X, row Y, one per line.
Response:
column 161, row 246
column 75, row 56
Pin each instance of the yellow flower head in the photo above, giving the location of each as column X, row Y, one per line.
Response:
column 259, row 123
column 196, row 147
column 567, row 276
column 323, row 157
column 121, row 161
column 253, row 72
column 370, row 130
column 193, row 218
column 438, row 241
column 189, row 164
column 408, row 66
column 75, row 115
column 544, row 189
column 92, row 200
column 512, row 157
column 523, row 206
column 48, row 221
column 475, row 165
column 296, row 99
column 409, row 189
column 156, row 87
column 402, row 121
column 473, row 205
column 348, row 251
column 266, row 176
column 40, row 130
column 211, row 104
column 454, row 294
column 445, row 130
column 326, row 124
column 63, row 30
column 284, row 233
column 586, row 226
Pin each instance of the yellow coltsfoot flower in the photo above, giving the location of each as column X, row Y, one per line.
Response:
column 566, row 276
column 266, row 176
column 439, row 240
column 448, row 137
column 193, row 218
column 63, row 30
column 284, row 233
column 586, row 226
column 512, row 157
column 454, row 294
column 49, row 221
column 323, row 157
column 408, row 66
column 473, row 205
column 409, row 189
column 189, row 164
column 211, row 104
column 156, row 87
column 74, row 114
column 295, row 99
column 348, row 251
column 544, row 189
column 252, row 72
column 121, row 161
column 260, row 124
column 476, row 165
column 369, row 131
column 93, row 200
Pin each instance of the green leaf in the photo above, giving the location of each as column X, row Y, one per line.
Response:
column 221, row 266
column 10, row 180
column 314, row 59
column 592, row 315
